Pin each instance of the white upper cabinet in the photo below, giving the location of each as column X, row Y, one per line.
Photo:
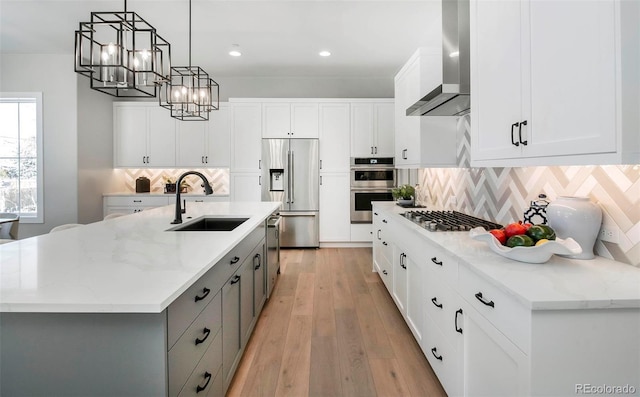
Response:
column 246, row 127
column 204, row 143
column 191, row 137
column 549, row 82
column 144, row 136
column 334, row 137
column 219, row 138
column 372, row 129
column 290, row 120
column 422, row 141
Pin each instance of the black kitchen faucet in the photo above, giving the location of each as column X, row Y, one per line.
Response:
column 207, row 191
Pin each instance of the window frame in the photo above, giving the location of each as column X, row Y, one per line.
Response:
column 16, row 96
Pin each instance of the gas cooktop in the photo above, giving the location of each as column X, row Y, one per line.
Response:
column 448, row 221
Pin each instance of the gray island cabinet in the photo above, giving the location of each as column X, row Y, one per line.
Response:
column 167, row 327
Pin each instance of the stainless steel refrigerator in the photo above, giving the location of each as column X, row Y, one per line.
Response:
column 291, row 175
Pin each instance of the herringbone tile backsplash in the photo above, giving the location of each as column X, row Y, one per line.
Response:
column 503, row 194
column 126, row 179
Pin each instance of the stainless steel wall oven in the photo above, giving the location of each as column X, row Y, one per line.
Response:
column 371, row 180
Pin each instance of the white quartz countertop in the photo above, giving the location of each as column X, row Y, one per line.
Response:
column 560, row 283
column 129, row 264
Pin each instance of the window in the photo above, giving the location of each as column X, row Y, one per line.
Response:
column 21, row 155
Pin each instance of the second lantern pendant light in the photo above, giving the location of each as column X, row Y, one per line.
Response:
column 190, row 94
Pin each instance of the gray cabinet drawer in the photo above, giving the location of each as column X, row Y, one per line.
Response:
column 206, row 379
column 188, row 305
column 193, row 343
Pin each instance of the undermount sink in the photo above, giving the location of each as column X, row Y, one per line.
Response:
column 210, row 224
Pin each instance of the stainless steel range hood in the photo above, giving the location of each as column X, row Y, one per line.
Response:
column 451, row 98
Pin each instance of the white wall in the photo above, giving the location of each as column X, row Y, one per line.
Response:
column 303, row 87
column 95, row 150
column 53, row 75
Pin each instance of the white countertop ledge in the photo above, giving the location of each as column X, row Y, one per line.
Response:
column 130, row 264
column 559, row 284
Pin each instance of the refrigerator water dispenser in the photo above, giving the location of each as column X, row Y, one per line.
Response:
column 276, row 180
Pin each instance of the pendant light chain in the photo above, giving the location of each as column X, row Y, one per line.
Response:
column 189, row 34
column 190, row 94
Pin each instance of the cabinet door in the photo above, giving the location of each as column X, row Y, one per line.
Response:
column 247, row 131
column 334, row 137
column 246, row 298
column 130, row 136
column 407, row 128
column 230, row 326
column 190, row 138
column 245, row 187
column 384, row 128
column 497, row 60
column 361, row 130
column 400, row 279
column 259, row 279
column 304, row 120
column 219, row 138
column 493, row 366
column 161, row 137
column 276, row 120
column 416, row 299
column 335, row 216
column 573, row 103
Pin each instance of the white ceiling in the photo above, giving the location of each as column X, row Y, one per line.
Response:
column 277, row 38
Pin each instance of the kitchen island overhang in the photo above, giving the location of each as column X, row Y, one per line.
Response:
column 130, row 264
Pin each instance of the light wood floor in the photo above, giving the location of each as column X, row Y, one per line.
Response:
column 331, row 329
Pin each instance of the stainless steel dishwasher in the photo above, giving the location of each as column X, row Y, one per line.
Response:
column 273, row 252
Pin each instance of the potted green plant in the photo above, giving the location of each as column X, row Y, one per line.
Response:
column 405, row 194
column 170, row 186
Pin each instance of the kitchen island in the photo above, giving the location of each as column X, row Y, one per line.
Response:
column 127, row 307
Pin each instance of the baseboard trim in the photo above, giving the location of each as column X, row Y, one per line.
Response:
column 345, row 244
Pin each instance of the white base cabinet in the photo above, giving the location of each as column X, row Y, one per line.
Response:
column 481, row 341
column 131, row 204
column 335, row 224
column 493, row 365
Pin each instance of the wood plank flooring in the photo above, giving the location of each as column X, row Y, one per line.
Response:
column 331, row 329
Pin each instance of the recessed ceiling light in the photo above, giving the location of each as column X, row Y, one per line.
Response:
column 235, row 50
column 324, row 53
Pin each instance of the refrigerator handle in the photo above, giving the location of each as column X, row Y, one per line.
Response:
column 288, row 177
column 291, row 178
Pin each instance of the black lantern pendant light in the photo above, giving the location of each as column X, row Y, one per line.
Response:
column 190, row 93
column 122, row 54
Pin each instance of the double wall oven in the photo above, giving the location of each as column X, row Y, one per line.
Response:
column 371, row 180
